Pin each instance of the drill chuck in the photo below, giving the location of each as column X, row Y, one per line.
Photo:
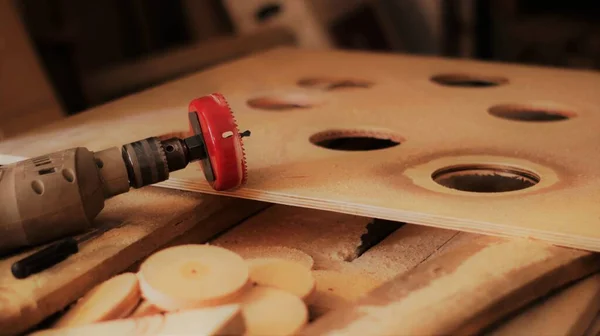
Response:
column 150, row 160
column 146, row 162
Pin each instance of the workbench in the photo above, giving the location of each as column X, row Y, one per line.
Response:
column 373, row 276
column 460, row 282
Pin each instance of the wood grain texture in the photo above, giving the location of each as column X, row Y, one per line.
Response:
column 332, row 240
column 286, row 275
column 329, row 238
column 275, row 252
column 461, row 291
column 594, row 328
column 192, row 276
column 270, row 311
column 401, row 251
column 222, row 320
column 144, row 220
column 440, row 126
column 114, row 298
column 568, row 312
column 336, row 289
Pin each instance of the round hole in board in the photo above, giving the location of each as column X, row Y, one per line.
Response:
column 355, row 140
column 69, row 175
column 330, row 84
column 485, row 178
column 282, row 102
column 267, row 11
column 468, row 80
column 529, row 113
column 38, row 187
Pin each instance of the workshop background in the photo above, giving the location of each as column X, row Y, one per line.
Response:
column 61, row 57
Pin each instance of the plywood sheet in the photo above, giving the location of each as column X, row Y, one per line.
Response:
column 393, row 96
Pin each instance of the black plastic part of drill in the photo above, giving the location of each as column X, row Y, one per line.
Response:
column 197, row 147
column 45, row 258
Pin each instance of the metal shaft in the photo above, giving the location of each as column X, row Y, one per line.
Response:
column 150, row 160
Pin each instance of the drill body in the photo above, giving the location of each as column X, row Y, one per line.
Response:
column 60, row 194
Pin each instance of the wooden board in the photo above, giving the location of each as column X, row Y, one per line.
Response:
column 223, row 320
column 343, row 277
column 594, row 328
column 462, row 291
column 568, row 312
column 439, row 127
column 144, row 220
column 337, row 241
column 468, row 279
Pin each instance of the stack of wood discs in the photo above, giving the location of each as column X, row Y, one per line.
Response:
column 197, row 288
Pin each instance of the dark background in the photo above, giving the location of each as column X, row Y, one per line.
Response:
column 75, row 39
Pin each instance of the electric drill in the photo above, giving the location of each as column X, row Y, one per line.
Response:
column 59, row 194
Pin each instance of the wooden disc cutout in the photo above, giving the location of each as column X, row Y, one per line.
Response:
column 282, row 274
column 272, row 311
column 191, row 276
column 221, row 320
column 112, row 299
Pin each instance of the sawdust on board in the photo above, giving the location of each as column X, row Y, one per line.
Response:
column 335, row 289
column 473, row 278
column 281, row 252
column 402, row 250
column 329, row 238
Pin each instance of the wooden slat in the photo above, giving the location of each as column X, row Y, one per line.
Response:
column 146, row 219
column 403, row 250
column 331, row 239
column 568, row 312
column 461, row 291
column 594, row 328
column 343, row 270
column 222, row 320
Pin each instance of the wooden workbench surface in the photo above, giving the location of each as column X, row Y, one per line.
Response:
column 368, row 279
